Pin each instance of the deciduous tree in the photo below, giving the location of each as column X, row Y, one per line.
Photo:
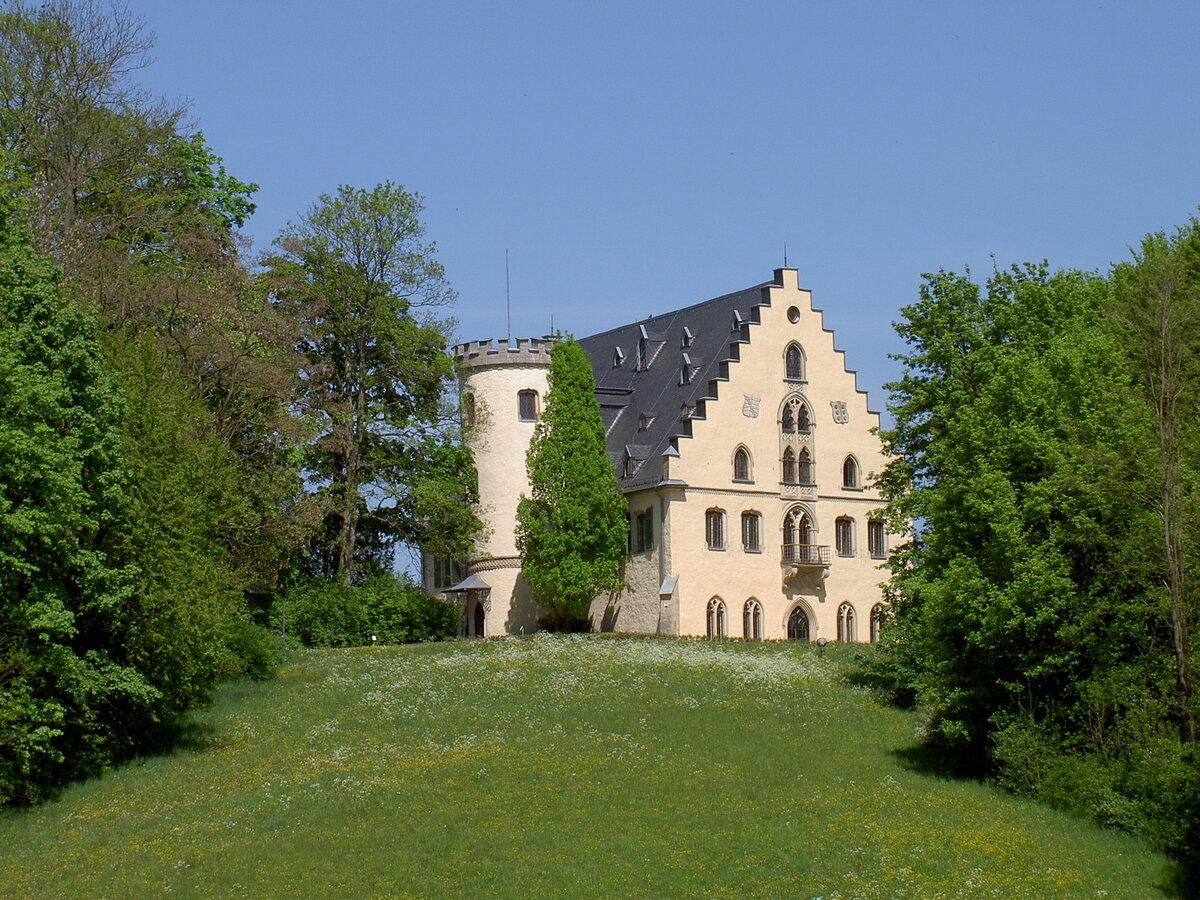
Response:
column 1156, row 308
column 359, row 276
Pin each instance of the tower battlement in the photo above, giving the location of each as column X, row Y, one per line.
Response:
column 505, row 352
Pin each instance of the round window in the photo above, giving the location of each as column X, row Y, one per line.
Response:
column 793, row 314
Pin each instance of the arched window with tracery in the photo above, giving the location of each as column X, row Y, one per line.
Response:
column 845, row 623
column 796, row 418
column 741, row 464
column 716, row 617
column 876, row 621
column 793, row 359
column 804, row 468
column 797, row 537
column 752, row 620
column 797, row 628
column 789, row 467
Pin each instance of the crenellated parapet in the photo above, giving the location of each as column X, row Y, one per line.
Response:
column 505, row 352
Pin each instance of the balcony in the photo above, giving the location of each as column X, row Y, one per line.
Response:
column 805, row 556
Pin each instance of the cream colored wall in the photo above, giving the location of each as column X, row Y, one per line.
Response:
column 706, row 465
column 499, row 441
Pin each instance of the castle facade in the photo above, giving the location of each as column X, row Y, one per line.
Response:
column 744, row 449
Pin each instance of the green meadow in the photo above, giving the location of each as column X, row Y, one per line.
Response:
column 556, row 767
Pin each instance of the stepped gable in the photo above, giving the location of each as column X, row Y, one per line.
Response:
column 648, row 372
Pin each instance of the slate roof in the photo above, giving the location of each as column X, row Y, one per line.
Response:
column 657, row 367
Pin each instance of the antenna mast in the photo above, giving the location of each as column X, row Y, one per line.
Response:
column 507, row 295
column 785, row 265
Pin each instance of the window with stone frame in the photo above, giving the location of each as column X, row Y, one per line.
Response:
column 796, row 418
column 741, row 465
column 716, row 617
column 752, row 532
column 845, row 624
column 527, row 406
column 752, row 621
column 876, row 539
column 794, row 363
column 850, row 473
column 844, row 536
column 714, row 529
column 804, row 468
column 643, row 533
column 877, row 615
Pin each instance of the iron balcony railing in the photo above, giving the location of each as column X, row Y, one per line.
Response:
column 806, row 554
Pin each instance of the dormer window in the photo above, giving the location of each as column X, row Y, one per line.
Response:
column 643, row 422
column 737, row 322
column 628, row 469
column 686, row 370
column 688, row 337
column 618, row 358
column 641, row 355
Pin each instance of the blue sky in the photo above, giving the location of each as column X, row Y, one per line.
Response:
column 638, row 157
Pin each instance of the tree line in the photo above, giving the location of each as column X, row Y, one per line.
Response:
column 188, row 430
column 1044, row 464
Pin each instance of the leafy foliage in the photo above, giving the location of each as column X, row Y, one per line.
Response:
column 571, row 528
column 354, row 270
column 61, row 488
column 328, row 614
column 1037, row 614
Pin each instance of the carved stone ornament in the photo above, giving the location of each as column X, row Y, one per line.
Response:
column 750, row 407
column 840, row 414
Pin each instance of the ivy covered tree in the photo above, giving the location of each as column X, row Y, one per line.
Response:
column 571, row 528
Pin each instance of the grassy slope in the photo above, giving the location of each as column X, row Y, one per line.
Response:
column 555, row 767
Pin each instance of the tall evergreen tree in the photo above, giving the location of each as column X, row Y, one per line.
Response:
column 571, row 528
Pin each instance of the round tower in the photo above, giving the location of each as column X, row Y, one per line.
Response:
column 503, row 385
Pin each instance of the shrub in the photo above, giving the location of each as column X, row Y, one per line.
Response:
column 253, row 650
column 323, row 614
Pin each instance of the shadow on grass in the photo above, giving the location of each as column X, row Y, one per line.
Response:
column 184, row 735
column 937, row 762
column 1182, row 882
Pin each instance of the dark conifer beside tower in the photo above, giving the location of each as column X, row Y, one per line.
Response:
column 571, row 528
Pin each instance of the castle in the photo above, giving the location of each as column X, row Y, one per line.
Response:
column 743, row 447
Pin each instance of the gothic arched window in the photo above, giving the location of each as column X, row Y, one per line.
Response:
column 793, row 359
